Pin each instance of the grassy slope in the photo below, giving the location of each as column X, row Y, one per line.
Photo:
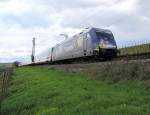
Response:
column 50, row 92
column 135, row 49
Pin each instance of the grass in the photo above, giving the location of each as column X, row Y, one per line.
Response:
column 43, row 91
column 144, row 48
column 113, row 72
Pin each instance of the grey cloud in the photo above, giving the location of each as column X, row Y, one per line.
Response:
column 128, row 25
column 144, row 7
column 27, row 20
column 75, row 4
column 93, row 17
column 4, row 0
column 60, row 4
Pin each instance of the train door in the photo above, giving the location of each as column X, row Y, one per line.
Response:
column 85, row 44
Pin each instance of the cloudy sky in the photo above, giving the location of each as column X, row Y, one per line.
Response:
column 21, row 20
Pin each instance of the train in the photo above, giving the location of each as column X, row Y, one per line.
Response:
column 91, row 43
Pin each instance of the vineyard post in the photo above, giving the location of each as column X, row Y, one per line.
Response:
column 149, row 50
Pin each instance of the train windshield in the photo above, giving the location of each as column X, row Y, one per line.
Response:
column 104, row 36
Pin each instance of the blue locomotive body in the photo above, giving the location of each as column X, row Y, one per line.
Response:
column 92, row 42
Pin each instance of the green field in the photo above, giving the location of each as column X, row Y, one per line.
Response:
column 45, row 91
column 144, row 48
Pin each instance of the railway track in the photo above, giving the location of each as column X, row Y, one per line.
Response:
column 133, row 57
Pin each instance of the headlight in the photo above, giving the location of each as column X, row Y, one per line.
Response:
column 103, row 45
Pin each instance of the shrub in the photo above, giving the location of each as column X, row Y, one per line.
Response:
column 16, row 64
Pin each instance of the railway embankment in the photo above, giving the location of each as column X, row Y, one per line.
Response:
column 113, row 72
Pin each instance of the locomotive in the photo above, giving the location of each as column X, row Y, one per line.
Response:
column 92, row 43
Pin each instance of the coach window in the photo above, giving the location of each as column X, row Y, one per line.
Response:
column 57, row 50
column 80, row 41
column 88, row 36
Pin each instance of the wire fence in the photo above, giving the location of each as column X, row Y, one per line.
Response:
column 5, row 78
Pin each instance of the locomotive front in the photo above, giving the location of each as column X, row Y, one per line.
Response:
column 105, row 44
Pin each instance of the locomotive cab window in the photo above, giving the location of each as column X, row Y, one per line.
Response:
column 104, row 36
